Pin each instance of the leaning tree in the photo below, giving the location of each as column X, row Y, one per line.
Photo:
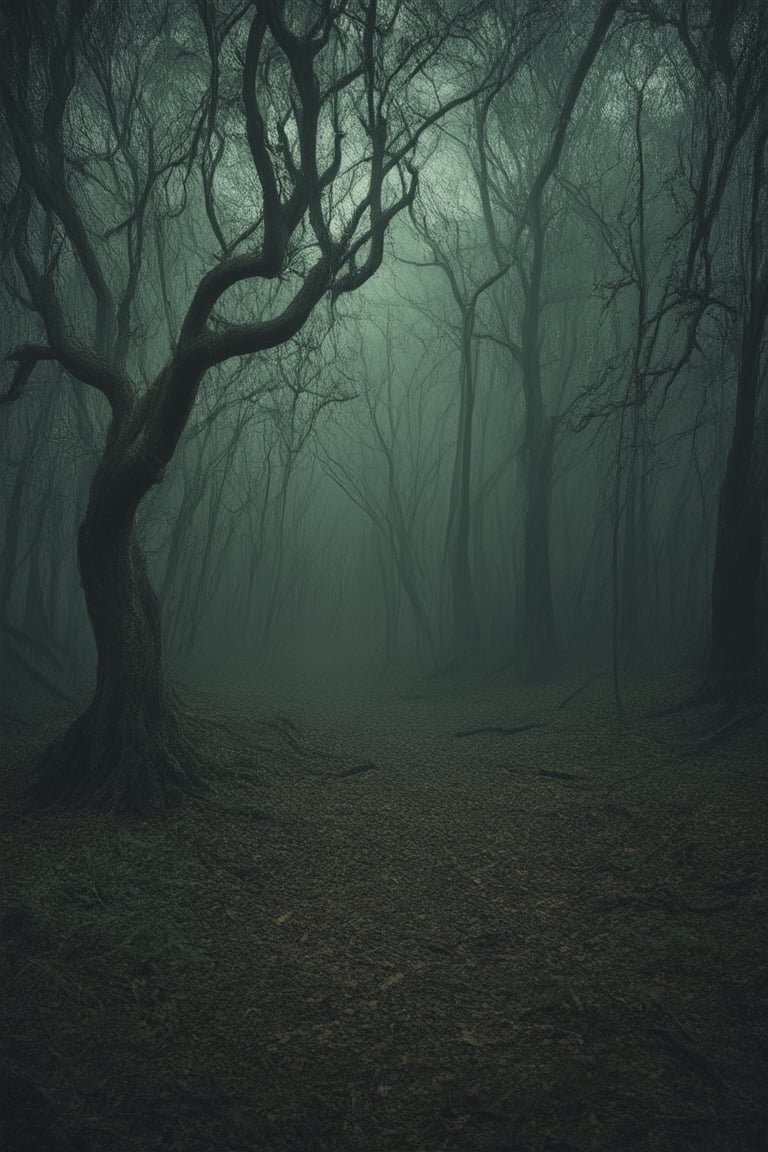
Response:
column 272, row 142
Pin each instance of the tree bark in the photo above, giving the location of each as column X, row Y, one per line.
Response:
column 738, row 545
column 127, row 749
column 735, row 579
column 734, row 646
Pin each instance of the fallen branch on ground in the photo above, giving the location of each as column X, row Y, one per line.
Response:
column 500, row 731
column 356, row 771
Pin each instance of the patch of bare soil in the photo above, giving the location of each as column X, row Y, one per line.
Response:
column 547, row 932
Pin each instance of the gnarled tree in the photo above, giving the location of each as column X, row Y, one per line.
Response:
column 282, row 137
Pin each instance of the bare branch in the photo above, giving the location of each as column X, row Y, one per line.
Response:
column 26, row 357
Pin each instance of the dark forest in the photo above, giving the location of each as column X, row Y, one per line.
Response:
column 384, row 575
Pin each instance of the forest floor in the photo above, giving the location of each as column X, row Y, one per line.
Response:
column 380, row 935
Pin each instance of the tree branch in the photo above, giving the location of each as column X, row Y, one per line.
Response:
column 26, row 357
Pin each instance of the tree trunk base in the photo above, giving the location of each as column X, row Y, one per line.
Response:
column 741, row 688
column 137, row 762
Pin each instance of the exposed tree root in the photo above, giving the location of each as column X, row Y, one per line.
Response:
column 132, row 766
column 733, row 692
column 700, row 698
column 223, row 726
column 715, row 735
column 295, row 738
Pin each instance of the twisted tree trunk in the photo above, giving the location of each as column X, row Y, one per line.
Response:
column 127, row 749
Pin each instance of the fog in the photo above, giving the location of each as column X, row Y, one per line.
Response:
column 508, row 445
column 383, row 581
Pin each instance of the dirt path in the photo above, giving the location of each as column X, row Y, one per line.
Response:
column 385, row 936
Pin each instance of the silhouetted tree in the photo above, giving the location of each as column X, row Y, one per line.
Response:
column 526, row 240
column 727, row 50
column 294, row 128
column 455, row 264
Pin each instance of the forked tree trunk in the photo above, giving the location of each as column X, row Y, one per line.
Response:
column 127, row 749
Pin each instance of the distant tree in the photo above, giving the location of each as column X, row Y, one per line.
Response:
column 734, row 636
column 726, row 49
column 446, row 254
column 517, row 231
column 291, row 128
column 391, row 467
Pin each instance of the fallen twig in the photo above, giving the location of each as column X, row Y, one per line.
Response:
column 582, row 687
column 356, row 771
column 500, row 731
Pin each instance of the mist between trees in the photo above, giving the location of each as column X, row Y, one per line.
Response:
column 401, row 332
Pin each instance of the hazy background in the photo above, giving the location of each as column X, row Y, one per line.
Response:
column 314, row 508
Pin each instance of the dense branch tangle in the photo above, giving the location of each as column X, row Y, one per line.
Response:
column 286, row 136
